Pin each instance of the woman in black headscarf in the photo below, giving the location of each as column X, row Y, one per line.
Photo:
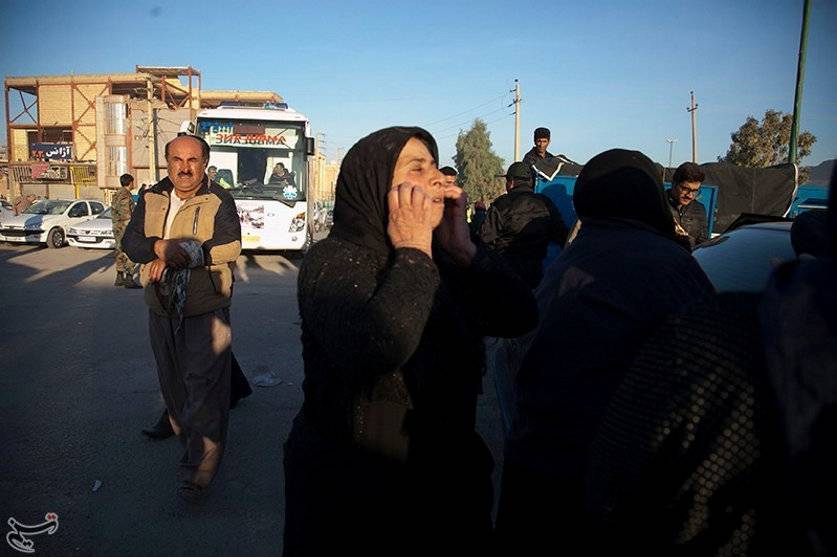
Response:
column 384, row 457
column 605, row 293
column 720, row 439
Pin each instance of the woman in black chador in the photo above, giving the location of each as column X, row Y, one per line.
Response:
column 601, row 298
column 384, row 457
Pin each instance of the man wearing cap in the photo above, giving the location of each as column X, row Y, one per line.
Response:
column 449, row 174
column 520, row 224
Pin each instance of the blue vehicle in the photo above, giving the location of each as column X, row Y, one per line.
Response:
column 560, row 191
column 808, row 196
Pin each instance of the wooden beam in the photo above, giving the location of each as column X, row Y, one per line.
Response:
column 74, row 122
column 37, row 99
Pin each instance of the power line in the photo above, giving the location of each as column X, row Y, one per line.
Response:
column 487, row 124
column 471, row 119
column 495, row 99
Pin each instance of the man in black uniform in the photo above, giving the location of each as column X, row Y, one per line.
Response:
column 539, row 152
column 688, row 212
column 520, row 224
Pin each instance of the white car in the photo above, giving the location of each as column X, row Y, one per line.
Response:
column 47, row 221
column 6, row 211
column 93, row 233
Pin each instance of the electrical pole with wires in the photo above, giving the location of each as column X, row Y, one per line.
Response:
column 516, row 105
column 693, row 110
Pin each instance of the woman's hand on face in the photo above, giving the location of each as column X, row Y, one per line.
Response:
column 410, row 218
column 453, row 233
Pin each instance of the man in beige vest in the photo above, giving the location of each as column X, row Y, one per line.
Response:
column 186, row 233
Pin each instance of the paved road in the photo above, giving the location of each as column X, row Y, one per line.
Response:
column 78, row 383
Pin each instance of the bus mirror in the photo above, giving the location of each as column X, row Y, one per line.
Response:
column 310, row 147
column 187, row 128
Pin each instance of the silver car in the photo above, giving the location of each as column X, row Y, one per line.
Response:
column 94, row 233
column 47, row 221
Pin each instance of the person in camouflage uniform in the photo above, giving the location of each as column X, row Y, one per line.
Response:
column 122, row 206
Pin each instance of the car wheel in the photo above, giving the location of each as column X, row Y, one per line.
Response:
column 55, row 238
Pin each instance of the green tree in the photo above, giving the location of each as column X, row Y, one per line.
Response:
column 766, row 143
column 477, row 164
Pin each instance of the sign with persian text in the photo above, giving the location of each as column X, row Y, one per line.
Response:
column 51, row 151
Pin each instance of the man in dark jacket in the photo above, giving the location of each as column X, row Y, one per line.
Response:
column 539, row 152
column 689, row 213
column 186, row 233
column 520, row 225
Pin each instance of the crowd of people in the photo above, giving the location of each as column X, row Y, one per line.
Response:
column 650, row 413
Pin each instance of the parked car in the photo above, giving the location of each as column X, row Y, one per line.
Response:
column 741, row 260
column 47, row 221
column 6, row 210
column 93, row 233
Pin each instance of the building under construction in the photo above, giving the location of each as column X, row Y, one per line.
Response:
column 74, row 135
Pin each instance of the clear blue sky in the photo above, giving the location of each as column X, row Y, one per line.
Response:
column 599, row 74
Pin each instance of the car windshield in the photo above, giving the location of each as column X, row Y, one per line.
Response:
column 742, row 260
column 257, row 159
column 47, row 207
column 106, row 214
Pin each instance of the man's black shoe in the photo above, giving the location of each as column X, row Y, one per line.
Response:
column 161, row 430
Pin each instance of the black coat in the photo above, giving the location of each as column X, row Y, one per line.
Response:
column 606, row 292
column 692, row 218
column 687, row 461
column 390, row 338
column 364, row 315
column 533, row 156
column 519, row 226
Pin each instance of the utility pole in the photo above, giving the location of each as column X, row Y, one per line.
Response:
column 800, row 78
column 516, row 104
column 671, row 141
column 693, row 110
column 152, row 135
column 319, row 164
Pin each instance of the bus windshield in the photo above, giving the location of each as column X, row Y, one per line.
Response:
column 257, row 159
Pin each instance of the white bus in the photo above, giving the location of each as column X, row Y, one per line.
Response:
column 261, row 157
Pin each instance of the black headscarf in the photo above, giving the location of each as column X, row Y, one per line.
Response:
column 625, row 185
column 361, row 213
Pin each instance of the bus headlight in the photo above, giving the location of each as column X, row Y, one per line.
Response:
column 298, row 224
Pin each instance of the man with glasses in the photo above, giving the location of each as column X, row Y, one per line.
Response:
column 689, row 213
